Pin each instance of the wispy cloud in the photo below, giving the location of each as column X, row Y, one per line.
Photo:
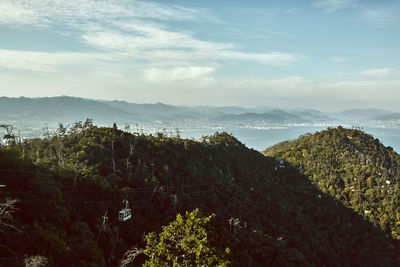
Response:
column 272, row 59
column 52, row 62
column 133, row 29
column 330, row 6
column 50, row 12
column 48, row 62
column 372, row 12
column 177, row 74
column 377, row 73
column 381, row 16
column 338, row 59
column 148, row 36
column 18, row 13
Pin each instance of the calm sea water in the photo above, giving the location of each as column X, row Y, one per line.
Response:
column 261, row 138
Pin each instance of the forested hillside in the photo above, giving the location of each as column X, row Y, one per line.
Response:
column 353, row 168
column 252, row 210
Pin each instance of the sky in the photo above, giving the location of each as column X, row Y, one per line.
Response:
column 326, row 54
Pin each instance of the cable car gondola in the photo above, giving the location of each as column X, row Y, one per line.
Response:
column 125, row 213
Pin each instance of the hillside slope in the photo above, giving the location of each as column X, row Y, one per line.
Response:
column 354, row 168
column 67, row 183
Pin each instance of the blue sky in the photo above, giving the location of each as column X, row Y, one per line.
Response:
column 326, row 54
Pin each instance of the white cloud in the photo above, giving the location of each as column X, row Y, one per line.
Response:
column 149, row 37
column 112, row 61
column 272, row 59
column 330, row 6
column 338, row 59
column 372, row 12
column 18, row 13
column 157, row 75
column 133, row 29
column 381, row 16
column 158, row 44
column 377, row 73
column 37, row 12
column 50, row 62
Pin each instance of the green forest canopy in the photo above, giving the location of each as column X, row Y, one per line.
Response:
column 271, row 214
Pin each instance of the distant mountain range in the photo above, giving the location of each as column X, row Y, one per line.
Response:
column 279, row 116
column 57, row 109
column 65, row 109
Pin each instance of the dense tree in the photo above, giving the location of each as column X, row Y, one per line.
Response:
column 352, row 167
column 192, row 240
column 71, row 185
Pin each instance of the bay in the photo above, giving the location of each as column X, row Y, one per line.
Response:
column 262, row 137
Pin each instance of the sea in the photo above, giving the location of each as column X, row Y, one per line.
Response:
column 260, row 138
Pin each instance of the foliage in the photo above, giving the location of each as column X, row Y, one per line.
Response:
column 188, row 241
column 270, row 216
column 352, row 167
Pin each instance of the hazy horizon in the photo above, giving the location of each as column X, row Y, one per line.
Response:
column 286, row 108
column 326, row 54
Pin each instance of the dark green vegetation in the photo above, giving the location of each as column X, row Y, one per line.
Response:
column 265, row 215
column 191, row 241
column 352, row 167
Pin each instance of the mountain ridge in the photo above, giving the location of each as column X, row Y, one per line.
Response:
column 354, row 168
column 66, row 108
column 68, row 181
